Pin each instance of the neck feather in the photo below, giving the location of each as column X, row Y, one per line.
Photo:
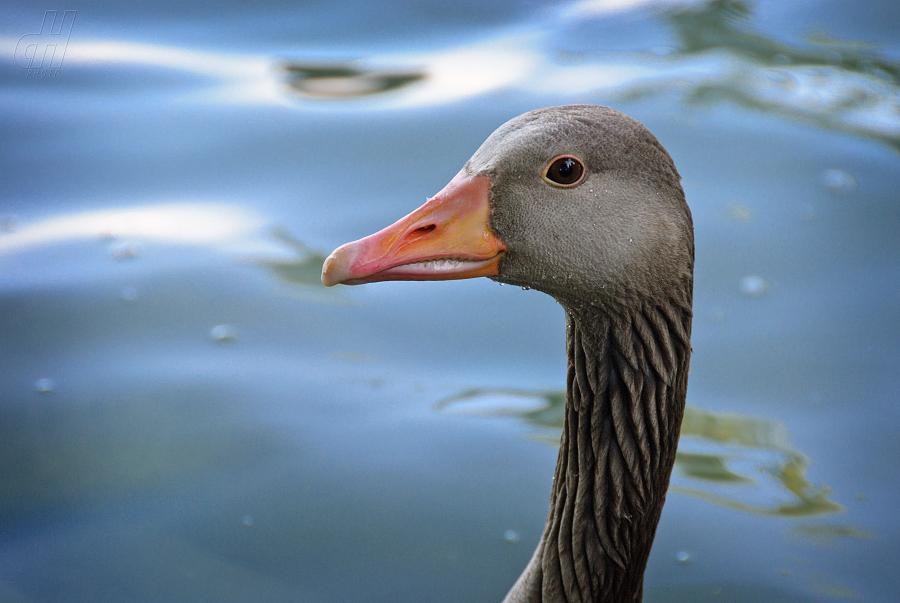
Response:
column 626, row 385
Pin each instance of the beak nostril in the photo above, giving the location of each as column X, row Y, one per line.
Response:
column 423, row 230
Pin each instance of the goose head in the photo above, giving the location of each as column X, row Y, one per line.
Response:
column 580, row 202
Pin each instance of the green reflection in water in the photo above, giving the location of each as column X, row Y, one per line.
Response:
column 788, row 469
column 722, row 473
column 344, row 80
column 304, row 269
column 709, row 467
column 826, row 532
column 839, row 85
column 718, row 25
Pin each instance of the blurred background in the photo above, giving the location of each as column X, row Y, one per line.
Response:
column 186, row 414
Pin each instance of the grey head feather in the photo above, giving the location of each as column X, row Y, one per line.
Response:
column 624, row 233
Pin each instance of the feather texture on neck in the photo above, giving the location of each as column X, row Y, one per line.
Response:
column 626, row 385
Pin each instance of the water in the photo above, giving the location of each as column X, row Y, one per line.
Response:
column 176, row 183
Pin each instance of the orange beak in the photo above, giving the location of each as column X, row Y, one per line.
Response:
column 447, row 238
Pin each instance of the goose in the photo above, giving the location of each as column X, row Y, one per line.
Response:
column 582, row 203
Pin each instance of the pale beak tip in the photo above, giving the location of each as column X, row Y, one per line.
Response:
column 330, row 277
column 338, row 266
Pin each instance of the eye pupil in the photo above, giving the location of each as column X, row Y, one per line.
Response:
column 565, row 171
column 565, row 168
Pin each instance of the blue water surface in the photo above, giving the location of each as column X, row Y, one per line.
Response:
column 186, row 414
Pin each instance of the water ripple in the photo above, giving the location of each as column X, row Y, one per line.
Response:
column 716, row 56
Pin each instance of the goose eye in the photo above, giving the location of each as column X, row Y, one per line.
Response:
column 565, row 170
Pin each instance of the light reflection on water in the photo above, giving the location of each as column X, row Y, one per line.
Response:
column 173, row 224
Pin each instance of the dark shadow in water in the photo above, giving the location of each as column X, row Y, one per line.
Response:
column 72, row 455
column 834, row 84
column 344, row 80
column 749, row 592
column 729, row 441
